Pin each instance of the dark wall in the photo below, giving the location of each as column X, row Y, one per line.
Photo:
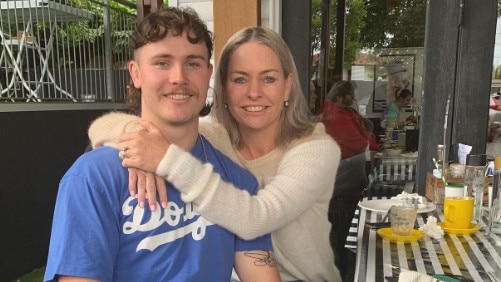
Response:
column 36, row 148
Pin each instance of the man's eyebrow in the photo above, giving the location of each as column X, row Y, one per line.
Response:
column 261, row 73
column 162, row 56
column 169, row 56
column 195, row 56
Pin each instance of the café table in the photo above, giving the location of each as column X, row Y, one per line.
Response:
column 27, row 13
column 470, row 257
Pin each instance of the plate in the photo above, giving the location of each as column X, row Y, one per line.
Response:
column 388, row 235
column 463, row 231
column 383, row 205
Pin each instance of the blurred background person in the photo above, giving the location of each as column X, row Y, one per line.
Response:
column 350, row 131
column 394, row 114
column 344, row 123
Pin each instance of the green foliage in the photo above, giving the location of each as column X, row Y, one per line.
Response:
column 354, row 22
column 394, row 23
column 496, row 74
column 90, row 34
column 372, row 24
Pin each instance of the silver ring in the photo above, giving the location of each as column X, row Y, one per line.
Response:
column 123, row 153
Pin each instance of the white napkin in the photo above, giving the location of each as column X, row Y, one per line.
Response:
column 411, row 199
column 431, row 229
column 414, row 276
column 463, row 151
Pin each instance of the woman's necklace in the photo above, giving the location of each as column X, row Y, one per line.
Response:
column 203, row 147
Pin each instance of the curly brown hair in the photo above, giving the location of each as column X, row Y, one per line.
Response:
column 154, row 27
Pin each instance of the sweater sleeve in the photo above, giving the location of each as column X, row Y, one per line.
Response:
column 305, row 173
column 106, row 130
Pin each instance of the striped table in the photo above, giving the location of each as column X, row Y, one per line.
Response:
column 400, row 167
column 475, row 257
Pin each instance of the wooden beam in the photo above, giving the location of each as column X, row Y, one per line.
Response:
column 144, row 7
column 231, row 16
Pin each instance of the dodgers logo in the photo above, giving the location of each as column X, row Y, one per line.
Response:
column 172, row 215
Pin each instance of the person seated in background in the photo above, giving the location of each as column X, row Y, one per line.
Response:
column 101, row 233
column 393, row 114
column 350, row 131
column 344, row 123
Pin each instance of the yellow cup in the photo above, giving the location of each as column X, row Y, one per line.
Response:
column 458, row 212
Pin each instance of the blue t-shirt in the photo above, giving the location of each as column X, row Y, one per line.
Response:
column 100, row 232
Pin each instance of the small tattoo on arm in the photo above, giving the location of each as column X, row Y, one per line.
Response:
column 263, row 258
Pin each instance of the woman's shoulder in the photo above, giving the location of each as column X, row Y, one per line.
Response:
column 211, row 130
column 318, row 135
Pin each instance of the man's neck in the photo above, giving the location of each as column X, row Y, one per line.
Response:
column 184, row 136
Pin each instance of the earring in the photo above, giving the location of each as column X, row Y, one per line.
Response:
column 225, row 105
column 286, row 104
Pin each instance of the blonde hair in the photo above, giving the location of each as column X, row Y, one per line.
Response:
column 296, row 120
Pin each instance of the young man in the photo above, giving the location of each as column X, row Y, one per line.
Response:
column 99, row 231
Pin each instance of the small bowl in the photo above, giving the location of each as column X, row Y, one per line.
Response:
column 392, row 152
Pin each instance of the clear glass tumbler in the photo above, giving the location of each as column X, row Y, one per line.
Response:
column 402, row 220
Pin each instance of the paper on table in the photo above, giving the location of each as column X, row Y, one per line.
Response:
column 463, row 151
column 431, row 228
column 414, row 276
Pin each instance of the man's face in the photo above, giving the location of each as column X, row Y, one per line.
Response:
column 173, row 75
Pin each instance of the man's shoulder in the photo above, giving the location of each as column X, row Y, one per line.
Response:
column 97, row 162
column 100, row 156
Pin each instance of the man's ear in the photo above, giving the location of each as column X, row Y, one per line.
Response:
column 134, row 73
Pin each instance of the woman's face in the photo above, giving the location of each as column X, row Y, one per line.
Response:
column 256, row 88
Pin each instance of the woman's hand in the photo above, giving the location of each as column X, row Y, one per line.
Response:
column 141, row 152
column 145, row 183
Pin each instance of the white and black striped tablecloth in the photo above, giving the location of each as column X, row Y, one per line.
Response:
column 475, row 257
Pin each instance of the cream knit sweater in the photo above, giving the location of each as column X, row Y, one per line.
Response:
column 296, row 186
